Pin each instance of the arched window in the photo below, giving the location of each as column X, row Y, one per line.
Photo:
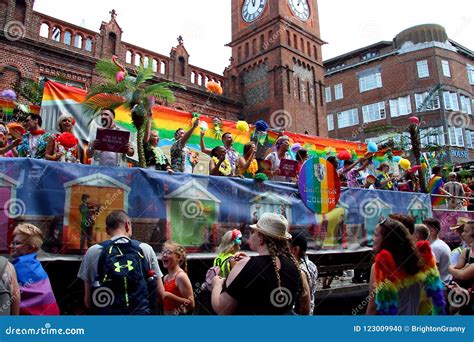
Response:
column 138, row 59
column 44, row 30
column 302, row 44
column 155, row 65
column 182, row 66
column 200, row 79
column 162, row 68
column 288, row 38
column 308, row 47
column 112, row 44
column 246, row 50
column 262, row 42
column 89, row 44
column 315, row 52
column 128, row 57
column 295, row 41
column 239, row 54
column 146, row 62
column 67, row 38
column 20, row 11
column 254, row 46
column 56, row 35
column 193, row 77
column 206, row 80
column 78, row 41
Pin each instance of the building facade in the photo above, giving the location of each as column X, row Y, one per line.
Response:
column 275, row 72
column 371, row 92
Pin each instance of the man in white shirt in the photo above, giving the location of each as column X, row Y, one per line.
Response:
column 440, row 249
column 106, row 158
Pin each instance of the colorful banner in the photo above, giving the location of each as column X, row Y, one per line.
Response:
column 59, row 98
column 193, row 210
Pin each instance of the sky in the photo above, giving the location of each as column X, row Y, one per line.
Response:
column 205, row 25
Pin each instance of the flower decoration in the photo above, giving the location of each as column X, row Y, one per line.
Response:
column 204, row 126
column 8, row 95
column 119, row 76
column 344, row 155
column 261, row 177
column 224, row 168
column 214, row 88
column 68, row 140
column 253, row 167
column 296, row 147
column 16, row 130
column 242, row 126
column 217, row 130
column 261, row 126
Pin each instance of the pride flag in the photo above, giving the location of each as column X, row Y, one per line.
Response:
column 37, row 297
column 434, row 186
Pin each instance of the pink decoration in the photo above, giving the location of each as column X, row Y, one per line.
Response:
column 414, row 120
column 119, row 76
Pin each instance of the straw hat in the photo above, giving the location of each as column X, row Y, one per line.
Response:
column 273, row 225
column 460, row 222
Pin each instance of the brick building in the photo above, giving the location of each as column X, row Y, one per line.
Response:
column 371, row 92
column 276, row 66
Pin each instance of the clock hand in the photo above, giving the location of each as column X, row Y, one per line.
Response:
column 253, row 3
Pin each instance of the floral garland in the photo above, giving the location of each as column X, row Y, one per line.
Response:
column 224, row 168
column 160, row 157
column 253, row 167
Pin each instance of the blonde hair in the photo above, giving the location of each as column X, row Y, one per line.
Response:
column 227, row 243
column 181, row 251
column 63, row 117
column 34, row 235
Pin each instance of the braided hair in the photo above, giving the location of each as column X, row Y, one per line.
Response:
column 282, row 247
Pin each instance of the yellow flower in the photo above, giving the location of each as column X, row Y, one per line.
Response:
column 242, row 126
column 225, row 168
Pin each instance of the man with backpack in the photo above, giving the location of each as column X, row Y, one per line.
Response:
column 121, row 276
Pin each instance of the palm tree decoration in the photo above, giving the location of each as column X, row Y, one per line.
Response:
column 133, row 93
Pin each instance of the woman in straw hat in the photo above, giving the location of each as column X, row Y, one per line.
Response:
column 267, row 284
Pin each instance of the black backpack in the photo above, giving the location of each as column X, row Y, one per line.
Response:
column 123, row 285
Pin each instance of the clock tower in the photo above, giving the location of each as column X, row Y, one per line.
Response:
column 276, row 63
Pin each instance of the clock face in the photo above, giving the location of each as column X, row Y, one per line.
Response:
column 300, row 9
column 252, row 9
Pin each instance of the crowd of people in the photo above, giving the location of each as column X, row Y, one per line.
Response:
column 28, row 139
column 413, row 272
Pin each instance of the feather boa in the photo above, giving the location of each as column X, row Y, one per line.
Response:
column 389, row 280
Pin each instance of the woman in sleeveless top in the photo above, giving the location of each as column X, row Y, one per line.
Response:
column 463, row 272
column 267, row 284
column 404, row 279
column 179, row 297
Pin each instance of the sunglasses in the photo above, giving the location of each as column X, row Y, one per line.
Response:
column 167, row 253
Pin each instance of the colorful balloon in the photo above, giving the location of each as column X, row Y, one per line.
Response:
column 405, row 164
column 372, row 147
column 414, row 120
column 397, row 159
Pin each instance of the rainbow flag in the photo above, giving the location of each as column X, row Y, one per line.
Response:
column 37, row 297
column 59, row 98
column 434, row 186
